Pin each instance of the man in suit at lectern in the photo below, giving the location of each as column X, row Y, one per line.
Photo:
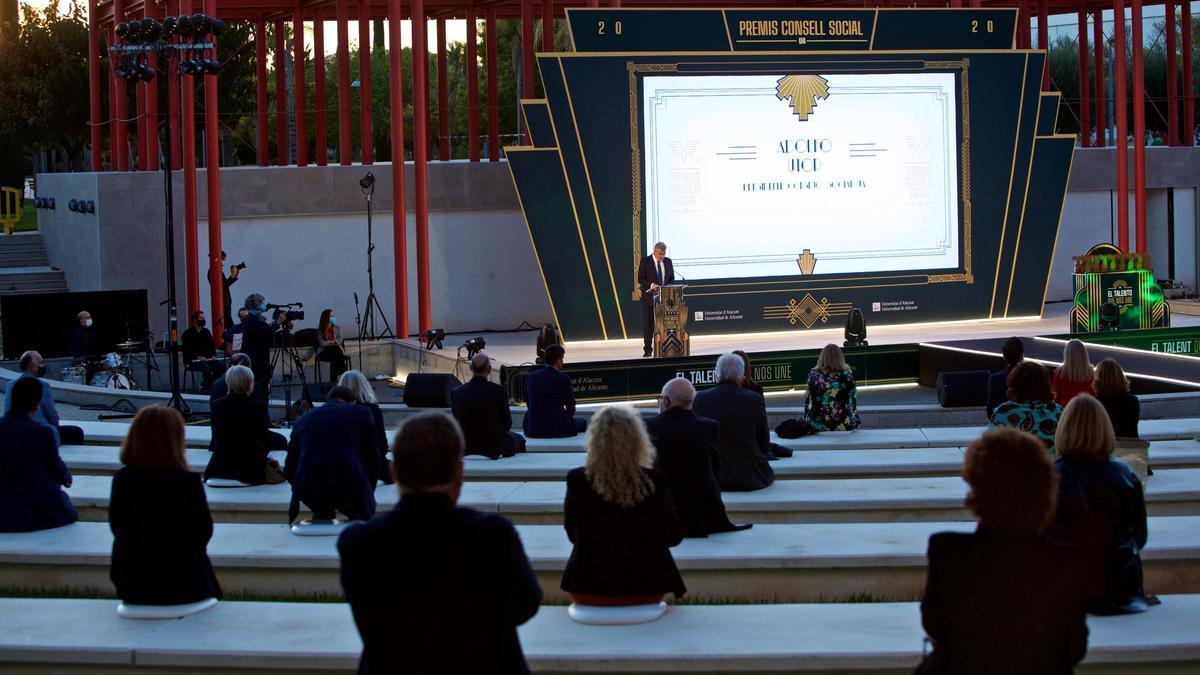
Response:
column 654, row 271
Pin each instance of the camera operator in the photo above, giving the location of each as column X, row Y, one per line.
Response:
column 257, row 337
column 226, row 282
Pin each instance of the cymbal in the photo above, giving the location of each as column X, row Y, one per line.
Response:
column 130, row 344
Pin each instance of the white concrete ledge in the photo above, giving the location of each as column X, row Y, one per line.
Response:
column 45, row 635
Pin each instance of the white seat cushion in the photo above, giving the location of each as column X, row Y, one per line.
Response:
column 225, row 483
column 616, row 616
column 325, row 528
column 127, row 611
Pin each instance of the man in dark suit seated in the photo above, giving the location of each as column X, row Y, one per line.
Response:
column 745, row 437
column 550, row 401
column 687, row 450
column 481, row 408
column 31, row 472
column 332, row 462
column 34, row 366
column 436, row 587
column 997, row 390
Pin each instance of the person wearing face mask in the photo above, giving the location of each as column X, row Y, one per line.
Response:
column 34, row 366
column 83, row 339
column 200, row 352
column 329, row 345
column 257, row 335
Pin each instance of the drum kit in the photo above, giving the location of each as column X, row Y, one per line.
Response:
column 113, row 370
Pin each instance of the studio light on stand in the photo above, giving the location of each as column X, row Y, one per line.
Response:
column 433, row 338
column 366, row 330
column 1110, row 317
column 856, row 329
column 473, row 346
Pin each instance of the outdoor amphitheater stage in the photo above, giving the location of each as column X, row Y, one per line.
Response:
column 899, row 354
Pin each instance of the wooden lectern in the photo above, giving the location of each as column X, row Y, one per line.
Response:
column 670, row 322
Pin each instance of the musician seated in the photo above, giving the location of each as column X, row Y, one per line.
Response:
column 200, row 352
column 84, row 346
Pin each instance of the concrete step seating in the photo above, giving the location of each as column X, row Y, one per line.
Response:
column 39, row 636
column 1169, row 492
column 101, row 460
column 768, row 563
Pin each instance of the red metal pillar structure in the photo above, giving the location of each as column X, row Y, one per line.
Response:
column 212, row 172
column 260, row 82
column 142, row 130
column 120, row 107
column 187, row 138
column 472, row 85
column 547, row 25
column 1172, row 76
column 1023, row 25
column 493, row 74
column 593, row 3
column 281, row 111
column 420, row 53
column 1043, row 28
column 1139, row 126
column 527, row 75
column 319, row 100
column 399, row 212
column 152, row 102
column 298, row 88
column 110, row 39
column 1189, row 90
column 1120, row 106
column 1101, row 95
column 96, row 132
column 364, row 82
column 173, row 129
column 1085, row 118
column 345, row 148
column 443, row 94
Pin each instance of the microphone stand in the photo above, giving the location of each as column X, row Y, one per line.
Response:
column 358, row 330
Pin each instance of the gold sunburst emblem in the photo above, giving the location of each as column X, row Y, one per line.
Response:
column 802, row 92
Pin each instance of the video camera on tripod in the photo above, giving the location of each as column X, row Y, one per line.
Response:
column 288, row 313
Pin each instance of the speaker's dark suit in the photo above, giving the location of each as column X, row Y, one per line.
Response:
column 745, row 437
column 437, row 588
column 648, row 274
column 257, row 337
column 31, row 476
column 332, row 462
column 481, row 408
column 687, row 450
column 550, row 405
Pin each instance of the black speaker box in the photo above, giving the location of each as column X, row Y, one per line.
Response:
column 963, row 388
column 429, row 390
column 318, row 391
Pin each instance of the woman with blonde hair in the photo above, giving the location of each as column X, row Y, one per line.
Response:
column 1101, row 507
column 621, row 518
column 364, row 395
column 831, row 401
column 1075, row 375
column 159, row 517
column 1112, row 389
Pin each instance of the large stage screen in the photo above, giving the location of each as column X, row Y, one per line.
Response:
column 779, row 175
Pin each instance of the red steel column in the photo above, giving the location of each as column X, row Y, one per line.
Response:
column 212, row 171
column 260, row 82
column 493, row 76
column 593, row 3
column 1121, row 105
column 1043, row 28
column 399, row 212
column 120, row 107
column 420, row 53
column 142, row 130
column 298, row 87
column 472, row 85
column 1189, row 91
column 95, row 130
column 187, row 139
column 319, row 100
column 1172, row 76
column 1085, row 118
column 547, row 25
column 152, row 104
column 364, row 82
column 443, row 94
column 112, row 101
column 527, row 85
column 345, row 147
column 1101, row 95
column 1139, row 126
column 281, row 111
column 173, row 129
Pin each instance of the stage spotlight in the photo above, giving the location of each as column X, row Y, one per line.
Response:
column 215, row 25
column 123, row 30
column 1110, row 317
column 151, row 29
column 199, row 24
column 367, row 183
column 474, row 346
column 189, row 68
column 184, row 26
column 856, row 329
column 168, row 27
column 433, row 337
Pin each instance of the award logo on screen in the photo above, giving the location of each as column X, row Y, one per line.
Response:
column 802, row 92
column 876, row 307
column 699, row 316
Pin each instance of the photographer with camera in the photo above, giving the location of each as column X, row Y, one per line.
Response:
column 226, row 282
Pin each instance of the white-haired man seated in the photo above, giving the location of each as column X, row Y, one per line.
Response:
column 745, row 436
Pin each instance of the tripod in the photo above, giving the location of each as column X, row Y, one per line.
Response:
column 367, row 329
column 293, row 364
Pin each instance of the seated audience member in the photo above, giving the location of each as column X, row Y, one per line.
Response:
column 549, row 400
column 33, row 366
column 745, row 437
column 159, row 517
column 32, row 474
column 687, row 451
column 461, row 576
column 219, row 389
column 364, row 395
column 332, row 462
column 621, row 518
column 1030, row 405
column 1001, row 599
column 329, row 345
column 1075, row 375
column 777, row 451
column 1101, row 507
column 232, row 336
column 831, row 401
column 997, row 388
column 241, row 434
column 481, row 408
column 1112, row 390
column 199, row 351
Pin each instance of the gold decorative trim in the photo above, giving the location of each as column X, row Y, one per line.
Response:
column 808, row 310
column 634, row 69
